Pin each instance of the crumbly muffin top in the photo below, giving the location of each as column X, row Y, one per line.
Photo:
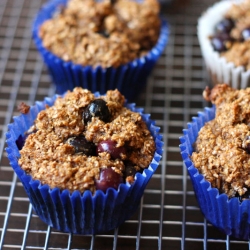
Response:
column 102, row 33
column 222, row 149
column 63, row 150
column 237, row 44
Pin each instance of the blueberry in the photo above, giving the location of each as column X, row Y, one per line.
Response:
column 246, row 144
column 110, row 147
column 129, row 170
column 20, row 141
column 246, row 33
column 219, row 41
column 81, row 145
column 225, row 26
column 104, row 33
column 97, row 108
column 108, row 179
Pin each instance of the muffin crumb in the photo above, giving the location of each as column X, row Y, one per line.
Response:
column 23, row 108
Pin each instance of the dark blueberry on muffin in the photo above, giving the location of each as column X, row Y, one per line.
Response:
column 110, row 147
column 246, row 34
column 129, row 169
column 81, row 145
column 97, row 108
column 20, row 141
column 108, row 179
column 224, row 26
column 221, row 41
column 246, row 144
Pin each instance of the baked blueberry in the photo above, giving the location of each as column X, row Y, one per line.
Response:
column 129, row 170
column 219, row 41
column 246, row 144
column 246, row 33
column 108, row 179
column 225, row 25
column 97, row 108
column 104, row 33
column 20, row 141
column 81, row 145
column 110, row 147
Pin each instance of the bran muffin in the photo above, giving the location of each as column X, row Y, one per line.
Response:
column 84, row 159
column 100, row 45
column 215, row 150
column 222, row 147
column 69, row 151
column 224, row 32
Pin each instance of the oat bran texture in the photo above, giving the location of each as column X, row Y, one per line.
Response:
column 102, row 33
column 222, row 149
column 48, row 156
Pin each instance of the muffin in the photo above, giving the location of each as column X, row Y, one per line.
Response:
column 216, row 151
column 100, row 45
column 223, row 33
column 84, row 159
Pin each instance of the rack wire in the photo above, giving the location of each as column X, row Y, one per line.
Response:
column 168, row 216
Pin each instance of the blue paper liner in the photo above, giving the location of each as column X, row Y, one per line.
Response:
column 229, row 215
column 129, row 78
column 75, row 212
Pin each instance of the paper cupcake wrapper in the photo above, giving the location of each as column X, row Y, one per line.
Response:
column 80, row 213
column 129, row 79
column 221, row 70
column 228, row 215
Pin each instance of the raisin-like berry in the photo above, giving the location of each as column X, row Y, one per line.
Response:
column 129, row 170
column 20, row 141
column 110, row 147
column 246, row 144
column 219, row 41
column 104, row 33
column 225, row 25
column 108, row 179
column 246, row 34
column 97, row 108
column 81, row 145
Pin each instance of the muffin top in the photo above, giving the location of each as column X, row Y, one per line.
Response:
column 84, row 142
column 102, row 33
column 222, row 149
column 232, row 35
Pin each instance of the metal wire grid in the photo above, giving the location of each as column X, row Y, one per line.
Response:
column 168, row 217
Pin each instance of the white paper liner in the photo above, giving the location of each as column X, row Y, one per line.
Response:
column 221, row 70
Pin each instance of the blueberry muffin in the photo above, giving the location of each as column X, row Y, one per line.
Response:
column 224, row 32
column 84, row 159
column 87, row 143
column 232, row 35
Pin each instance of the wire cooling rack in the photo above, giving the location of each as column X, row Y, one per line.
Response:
column 168, row 217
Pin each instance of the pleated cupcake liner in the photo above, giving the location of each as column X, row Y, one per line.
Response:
column 230, row 216
column 78, row 213
column 220, row 70
column 129, row 79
